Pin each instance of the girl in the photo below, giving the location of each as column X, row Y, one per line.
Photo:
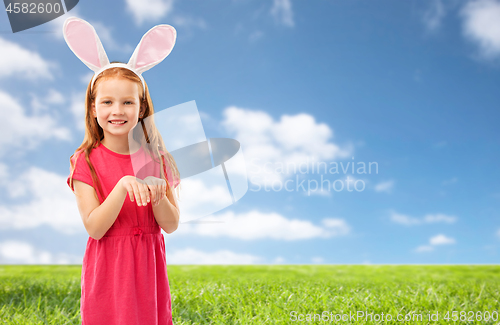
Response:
column 123, row 189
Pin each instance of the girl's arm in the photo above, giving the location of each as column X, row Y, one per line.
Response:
column 98, row 218
column 167, row 213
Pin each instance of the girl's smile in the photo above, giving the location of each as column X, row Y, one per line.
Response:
column 116, row 122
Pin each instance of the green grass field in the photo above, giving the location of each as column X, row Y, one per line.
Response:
column 278, row 294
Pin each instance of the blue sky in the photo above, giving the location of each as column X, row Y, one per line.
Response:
column 411, row 86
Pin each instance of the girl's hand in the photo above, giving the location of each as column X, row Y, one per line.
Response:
column 158, row 188
column 138, row 188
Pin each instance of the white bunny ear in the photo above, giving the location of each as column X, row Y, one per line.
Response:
column 154, row 46
column 82, row 39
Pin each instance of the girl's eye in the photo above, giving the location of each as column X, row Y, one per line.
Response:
column 128, row 103
column 107, row 102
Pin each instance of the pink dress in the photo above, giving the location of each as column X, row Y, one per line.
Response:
column 124, row 274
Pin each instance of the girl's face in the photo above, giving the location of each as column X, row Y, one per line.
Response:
column 117, row 106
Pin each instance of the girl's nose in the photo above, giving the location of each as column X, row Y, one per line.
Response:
column 118, row 109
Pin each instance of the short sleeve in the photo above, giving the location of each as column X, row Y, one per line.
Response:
column 82, row 171
column 168, row 172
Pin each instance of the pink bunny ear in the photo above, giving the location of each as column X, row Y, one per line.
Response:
column 82, row 39
column 154, row 46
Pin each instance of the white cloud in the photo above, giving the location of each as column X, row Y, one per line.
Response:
column 193, row 256
column 481, row 25
column 255, row 36
column 439, row 217
column 77, row 108
column 46, row 200
column 53, row 97
column 317, row 259
column 338, row 227
column 85, row 79
column 440, row 144
column 279, row 260
column 441, row 240
column 22, row 131
column 417, row 75
column 188, row 22
column 148, row 10
column 434, row 15
column 257, row 225
column 320, row 192
column 302, row 132
column 453, row 180
column 4, row 174
column 324, row 186
column 384, row 186
column 19, row 62
column 18, row 252
column 275, row 149
column 202, row 196
column 282, row 12
column 424, row 248
column 437, row 240
column 404, row 219
column 108, row 41
column 427, row 219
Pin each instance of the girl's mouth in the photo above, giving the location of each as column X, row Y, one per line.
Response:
column 118, row 123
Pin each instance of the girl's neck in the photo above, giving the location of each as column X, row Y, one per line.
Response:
column 121, row 147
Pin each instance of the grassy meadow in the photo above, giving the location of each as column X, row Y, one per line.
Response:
column 277, row 294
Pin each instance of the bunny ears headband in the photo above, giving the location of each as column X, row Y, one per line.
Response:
column 154, row 46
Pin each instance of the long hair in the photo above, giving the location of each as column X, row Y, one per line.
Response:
column 150, row 136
